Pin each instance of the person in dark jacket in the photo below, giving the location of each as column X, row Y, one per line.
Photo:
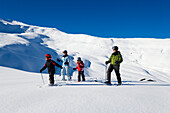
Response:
column 80, row 68
column 50, row 64
column 115, row 60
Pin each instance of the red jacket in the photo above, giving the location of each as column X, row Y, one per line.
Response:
column 80, row 66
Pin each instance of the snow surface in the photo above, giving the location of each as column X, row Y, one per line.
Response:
column 22, row 47
column 22, row 92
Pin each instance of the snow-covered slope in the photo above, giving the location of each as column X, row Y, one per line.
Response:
column 22, row 48
column 143, row 58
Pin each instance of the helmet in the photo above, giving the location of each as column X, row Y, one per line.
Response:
column 78, row 59
column 65, row 51
column 115, row 48
column 48, row 56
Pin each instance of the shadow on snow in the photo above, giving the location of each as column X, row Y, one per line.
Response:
column 31, row 57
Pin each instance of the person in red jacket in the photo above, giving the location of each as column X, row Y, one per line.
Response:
column 50, row 64
column 80, row 68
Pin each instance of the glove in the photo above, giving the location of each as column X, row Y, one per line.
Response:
column 66, row 63
column 61, row 67
column 107, row 62
column 116, row 62
column 74, row 68
column 41, row 71
column 58, row 60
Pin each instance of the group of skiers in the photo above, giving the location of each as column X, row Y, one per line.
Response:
column 50, row 64
column 114, row 60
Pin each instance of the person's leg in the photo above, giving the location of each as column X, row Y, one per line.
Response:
column 67, row 72
column 116, row 68
column 83, row 77
column 51, row 78
column 62, row 73
column 110, row 69
column 79, row 74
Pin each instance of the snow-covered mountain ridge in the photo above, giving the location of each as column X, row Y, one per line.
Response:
column 23, row 47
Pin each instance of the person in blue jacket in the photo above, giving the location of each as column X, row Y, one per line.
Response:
column 65, row 65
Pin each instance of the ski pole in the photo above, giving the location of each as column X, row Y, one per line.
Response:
column 55, row 78
column 42, row 78
column 105, row 73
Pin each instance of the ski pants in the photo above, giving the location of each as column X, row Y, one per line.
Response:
column 81, row 74
column 65, row 69
column 116, row 69
column 51, row 77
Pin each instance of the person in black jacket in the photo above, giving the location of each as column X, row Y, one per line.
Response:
column 50, row 64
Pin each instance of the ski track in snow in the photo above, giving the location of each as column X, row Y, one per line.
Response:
column 22, row 48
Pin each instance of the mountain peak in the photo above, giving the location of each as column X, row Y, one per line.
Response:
column 10, row 26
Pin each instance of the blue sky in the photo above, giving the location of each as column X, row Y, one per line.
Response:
column 103, row 18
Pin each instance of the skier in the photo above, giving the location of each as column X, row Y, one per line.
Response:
column 65, row 64
column 80, row 68
column 115, row 60
column 50, row 64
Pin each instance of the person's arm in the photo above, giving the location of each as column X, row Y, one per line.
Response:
column 67, row 61
column 59, row 60
column 78, row 65
column 120, row 58
column 45, row 66
column 56, row 64
column 108, row 60
column 74, row 68
column 82, row 65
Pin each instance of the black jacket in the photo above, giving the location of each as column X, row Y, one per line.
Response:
column 50, row 64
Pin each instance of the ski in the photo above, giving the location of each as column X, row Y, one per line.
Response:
column 103, row 83
column 149, row 80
